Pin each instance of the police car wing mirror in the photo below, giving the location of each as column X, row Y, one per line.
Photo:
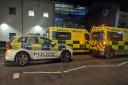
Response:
column 53, row 44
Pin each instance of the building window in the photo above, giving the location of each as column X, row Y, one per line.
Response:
column 45, row 14
column 12, row 11
column 30, row 12
column 70, row 15
column 123, row 20
column 11, row 35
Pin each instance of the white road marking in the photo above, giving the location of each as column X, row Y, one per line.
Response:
column 122, row 63
column 77, row 68
column 58, row 72
column 74, row 69
column 102, row 65
column 16, row 75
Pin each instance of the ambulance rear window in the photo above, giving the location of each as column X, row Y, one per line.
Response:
column 97, row 36
column 87, row 36
column 115, row 36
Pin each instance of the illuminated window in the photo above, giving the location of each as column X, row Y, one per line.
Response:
column 30, row 12
column 70, row 15
column 45, row 14
column 12, row 11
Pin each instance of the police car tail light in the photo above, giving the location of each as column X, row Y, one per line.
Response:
column 8, row 46
column 8, row 52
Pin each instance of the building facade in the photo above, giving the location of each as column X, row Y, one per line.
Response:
column 22, row 17
column 19, row 17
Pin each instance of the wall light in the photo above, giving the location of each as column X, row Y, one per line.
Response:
column 38, row 28
column 4, row 26
column 45, row 14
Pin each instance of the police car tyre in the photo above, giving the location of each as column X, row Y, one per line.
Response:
column 65, row 56
column 22, row 59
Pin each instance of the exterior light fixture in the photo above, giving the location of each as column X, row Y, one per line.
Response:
column 45, row 14
column 4, row 26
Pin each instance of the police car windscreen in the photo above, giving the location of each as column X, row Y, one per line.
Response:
column 61, row 35
column 115, row 36
column 97, row 36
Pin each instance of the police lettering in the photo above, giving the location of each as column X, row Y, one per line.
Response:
column 44, row 54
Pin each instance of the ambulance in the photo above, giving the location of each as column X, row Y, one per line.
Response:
column 78, row 39
column 108, row 41
column 23, row 49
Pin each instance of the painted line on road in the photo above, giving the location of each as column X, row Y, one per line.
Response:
column 122, row 63
column 58, row 72
column 102, row 65
column 74, row 69
column 16, row 75
column 77, row 68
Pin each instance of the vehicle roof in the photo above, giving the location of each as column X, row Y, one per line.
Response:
column 108, row 28
column 67, row 29
column 30, row 36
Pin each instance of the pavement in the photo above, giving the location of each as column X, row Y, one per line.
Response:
column 83, row 70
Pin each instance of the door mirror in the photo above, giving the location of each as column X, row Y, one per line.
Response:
column 53, row 44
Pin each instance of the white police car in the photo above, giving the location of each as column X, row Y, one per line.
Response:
column 23, row 49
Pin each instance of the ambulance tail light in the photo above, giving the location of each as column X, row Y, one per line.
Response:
column 104, row 43
column 8, row 46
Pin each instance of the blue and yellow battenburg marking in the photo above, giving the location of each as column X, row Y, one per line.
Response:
column 47, row 47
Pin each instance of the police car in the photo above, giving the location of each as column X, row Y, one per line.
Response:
column 23, row 49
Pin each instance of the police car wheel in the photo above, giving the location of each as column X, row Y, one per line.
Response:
column 22, row 59
column 65, row 56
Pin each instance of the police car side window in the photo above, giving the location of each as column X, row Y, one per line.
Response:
column 45, row 41
column 33, row 40
column 22, row 39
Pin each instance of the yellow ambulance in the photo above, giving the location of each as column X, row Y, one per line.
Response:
column 108, row 41
column 74, row 37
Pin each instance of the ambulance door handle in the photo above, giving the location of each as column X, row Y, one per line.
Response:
column 92, row 45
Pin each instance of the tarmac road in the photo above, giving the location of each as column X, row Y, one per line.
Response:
column 83, row 70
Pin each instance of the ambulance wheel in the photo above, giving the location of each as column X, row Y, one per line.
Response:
column 112, row 54
column 22, row 59
column 92, row 53
column 109, row 54
column 65, row 56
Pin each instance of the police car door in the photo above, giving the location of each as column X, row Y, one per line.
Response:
column 35, row 47
column 49, row 49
